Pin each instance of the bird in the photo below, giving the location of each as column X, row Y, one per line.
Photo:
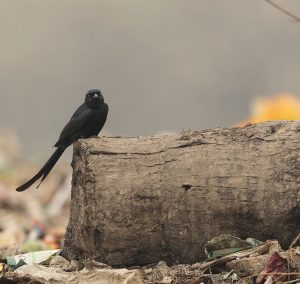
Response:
column 87, row 121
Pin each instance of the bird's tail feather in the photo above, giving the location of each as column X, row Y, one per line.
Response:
column 45, row 170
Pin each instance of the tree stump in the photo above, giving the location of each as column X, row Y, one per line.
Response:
column 139, row 200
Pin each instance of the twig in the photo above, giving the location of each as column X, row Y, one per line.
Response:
column 283, row 10
column 294, row 241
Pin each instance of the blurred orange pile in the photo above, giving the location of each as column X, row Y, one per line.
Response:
column 283, row 106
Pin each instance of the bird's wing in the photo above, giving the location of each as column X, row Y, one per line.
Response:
column 73, row 129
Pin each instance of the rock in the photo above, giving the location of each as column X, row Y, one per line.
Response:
column 59, row 262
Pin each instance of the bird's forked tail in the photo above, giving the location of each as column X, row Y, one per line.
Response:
column 45, row 170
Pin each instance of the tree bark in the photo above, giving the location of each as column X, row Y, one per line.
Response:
column 139, row 200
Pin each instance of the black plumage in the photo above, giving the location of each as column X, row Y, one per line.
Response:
column 87, row 121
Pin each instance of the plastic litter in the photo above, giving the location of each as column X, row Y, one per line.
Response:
column 224, row 245
column 30, row 258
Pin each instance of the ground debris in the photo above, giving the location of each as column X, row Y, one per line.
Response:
column 264, row 262
column 43, row 274
column 247, row 265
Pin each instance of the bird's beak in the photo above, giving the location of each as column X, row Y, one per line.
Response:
column 95, row 96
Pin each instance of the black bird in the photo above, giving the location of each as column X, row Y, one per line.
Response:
column 86, row 121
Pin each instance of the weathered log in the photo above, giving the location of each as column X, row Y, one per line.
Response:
column 144, row 199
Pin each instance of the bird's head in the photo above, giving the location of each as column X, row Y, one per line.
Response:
column 94, row 98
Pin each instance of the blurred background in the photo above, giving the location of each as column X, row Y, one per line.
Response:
column 162, row 66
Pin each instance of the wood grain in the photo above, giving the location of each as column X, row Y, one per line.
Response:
column 144, row 199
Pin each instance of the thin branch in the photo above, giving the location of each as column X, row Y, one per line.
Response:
column 294, row 241
column 283, row 10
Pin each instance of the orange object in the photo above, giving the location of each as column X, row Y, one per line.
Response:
column 283, row 106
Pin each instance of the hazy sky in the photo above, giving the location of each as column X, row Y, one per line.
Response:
column 162, row 65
